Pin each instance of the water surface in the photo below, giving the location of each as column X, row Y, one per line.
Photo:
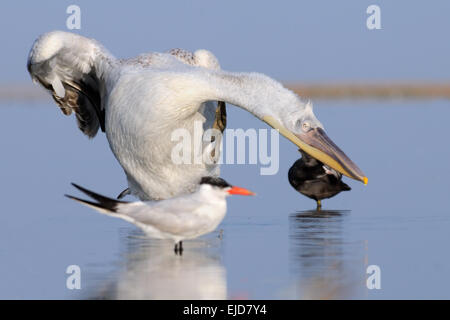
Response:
column 272, row 246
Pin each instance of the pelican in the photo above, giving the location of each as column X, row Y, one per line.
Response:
column 139, row 102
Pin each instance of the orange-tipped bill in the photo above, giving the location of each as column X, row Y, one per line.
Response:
column 318, row 145
column 240, row 191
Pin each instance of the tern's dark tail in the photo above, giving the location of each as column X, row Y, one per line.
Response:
column 104, row 204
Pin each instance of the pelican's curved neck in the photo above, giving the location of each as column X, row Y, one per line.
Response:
column 254, row 92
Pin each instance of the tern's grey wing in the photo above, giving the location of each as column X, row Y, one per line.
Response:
column 175, row 216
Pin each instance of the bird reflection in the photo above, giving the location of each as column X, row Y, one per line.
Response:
column 152, row 271
column 324, row 264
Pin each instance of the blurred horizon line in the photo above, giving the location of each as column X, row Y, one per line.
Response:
column 334, row 90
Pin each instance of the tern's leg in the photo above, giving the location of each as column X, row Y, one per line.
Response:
column 178, row 248
column 124, row 193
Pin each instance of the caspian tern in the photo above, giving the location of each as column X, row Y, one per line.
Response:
column 315, row 180
column 179, row 218
column 140, row 102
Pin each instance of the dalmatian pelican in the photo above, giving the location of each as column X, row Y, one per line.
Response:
column 139, row 102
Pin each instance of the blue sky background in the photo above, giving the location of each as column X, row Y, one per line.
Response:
column 310, row 41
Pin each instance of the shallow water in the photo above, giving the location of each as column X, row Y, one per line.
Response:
column 273, row 246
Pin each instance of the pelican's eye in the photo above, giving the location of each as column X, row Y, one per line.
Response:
column 306, row 126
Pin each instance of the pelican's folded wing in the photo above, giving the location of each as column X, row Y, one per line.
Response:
column 73, row 68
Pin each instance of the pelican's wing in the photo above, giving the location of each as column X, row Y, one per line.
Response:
column 215, row 113
column 200, row 58
column 74, row 69
column 170, row 216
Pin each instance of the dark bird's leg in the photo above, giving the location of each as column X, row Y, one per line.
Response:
column 319, row 205
column 124, row 193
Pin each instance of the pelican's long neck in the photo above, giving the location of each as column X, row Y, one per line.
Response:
column 254, row 92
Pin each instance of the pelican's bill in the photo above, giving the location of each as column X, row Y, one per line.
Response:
column 318, row 145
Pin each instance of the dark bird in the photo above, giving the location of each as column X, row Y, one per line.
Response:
column 315, row 180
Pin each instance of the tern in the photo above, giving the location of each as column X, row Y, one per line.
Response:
column 315, row 180
column 140, row 102
column 184, row 217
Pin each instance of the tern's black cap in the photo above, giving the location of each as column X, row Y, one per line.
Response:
column 215, row 181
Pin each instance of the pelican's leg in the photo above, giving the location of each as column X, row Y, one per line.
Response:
column 319, row 205
column 220, row 121
column 124, row 193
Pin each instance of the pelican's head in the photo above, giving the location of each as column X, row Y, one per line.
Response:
column 301, row 126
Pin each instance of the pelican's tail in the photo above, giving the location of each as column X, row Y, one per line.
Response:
column 104, row 204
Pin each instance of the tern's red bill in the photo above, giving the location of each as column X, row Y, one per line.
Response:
column 240, row 191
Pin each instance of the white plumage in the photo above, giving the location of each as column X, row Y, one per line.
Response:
column 179, row 218
column 183, row 217
column 139, row 102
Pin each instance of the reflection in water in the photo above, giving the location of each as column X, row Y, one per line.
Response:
column 152, row 271
column 324, row 265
